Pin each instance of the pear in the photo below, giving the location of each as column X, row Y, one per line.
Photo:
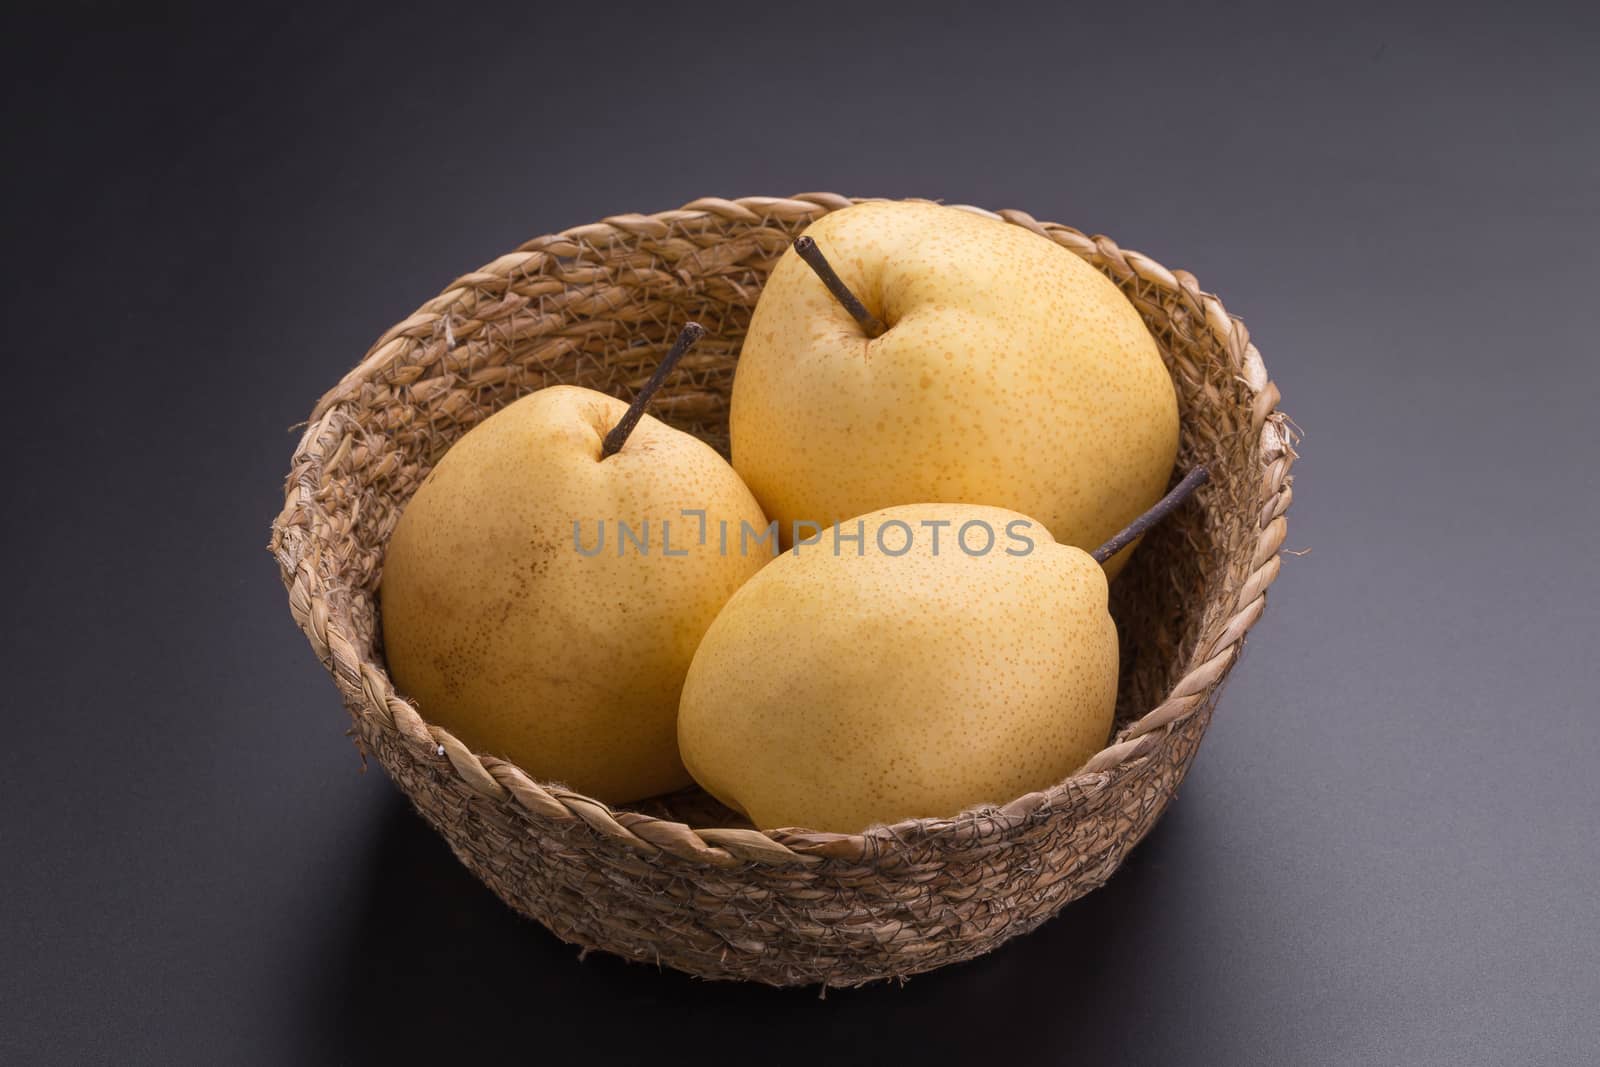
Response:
column 946, row 356
column 521, row 617
column 836, row 690
column 911, row 663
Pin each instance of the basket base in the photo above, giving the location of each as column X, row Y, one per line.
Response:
column 842, row 924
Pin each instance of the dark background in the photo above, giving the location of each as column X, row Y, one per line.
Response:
column 1387, row 850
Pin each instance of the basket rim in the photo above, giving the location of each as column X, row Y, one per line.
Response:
column 319, row 607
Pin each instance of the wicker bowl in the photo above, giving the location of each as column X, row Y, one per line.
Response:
column 680, row 881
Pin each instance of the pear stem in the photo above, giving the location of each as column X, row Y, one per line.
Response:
column 808, row 251
column 1158, row 511
column 619, row 433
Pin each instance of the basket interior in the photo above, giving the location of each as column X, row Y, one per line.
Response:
column 601, row 313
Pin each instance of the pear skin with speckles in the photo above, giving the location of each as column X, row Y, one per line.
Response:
column 567, row 662
column 907, row 674
column 1011, row 373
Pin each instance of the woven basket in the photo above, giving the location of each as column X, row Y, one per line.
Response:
column 680, row 881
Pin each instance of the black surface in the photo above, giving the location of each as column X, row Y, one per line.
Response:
column 1387, row 849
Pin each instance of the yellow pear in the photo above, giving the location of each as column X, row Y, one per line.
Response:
column 1008, row 372
column 520, row 616
column 954, row 655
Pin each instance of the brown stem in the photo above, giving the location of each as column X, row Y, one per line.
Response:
column 808, row 250
column 619, row 433
column 1158, row 511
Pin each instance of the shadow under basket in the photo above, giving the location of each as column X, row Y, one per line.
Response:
column 680, row 881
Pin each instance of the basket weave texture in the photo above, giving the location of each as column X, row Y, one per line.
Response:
column 680, row 881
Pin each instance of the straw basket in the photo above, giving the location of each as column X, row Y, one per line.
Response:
column 680, row 881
